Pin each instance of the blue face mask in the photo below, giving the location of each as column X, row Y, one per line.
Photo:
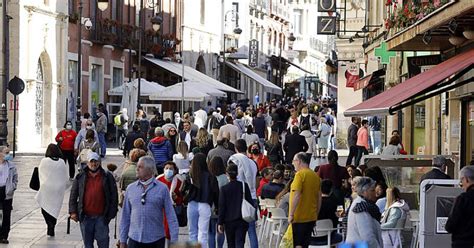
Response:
column 8, row 157
column 169, row 174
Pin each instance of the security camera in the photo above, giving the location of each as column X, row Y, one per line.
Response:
column 87, row 24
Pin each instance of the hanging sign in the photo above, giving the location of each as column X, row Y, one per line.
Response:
column 326, row 5
column 253, row 53
column 352, row 74
column 326, row 25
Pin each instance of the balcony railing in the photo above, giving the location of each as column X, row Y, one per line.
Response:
column 402, row 14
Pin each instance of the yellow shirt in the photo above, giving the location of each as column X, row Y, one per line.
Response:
column 308, row 183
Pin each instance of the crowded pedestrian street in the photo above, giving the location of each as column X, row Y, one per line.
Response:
column 237, row 123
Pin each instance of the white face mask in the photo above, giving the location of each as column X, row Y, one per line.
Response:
column 304, row 114
column 68, row 127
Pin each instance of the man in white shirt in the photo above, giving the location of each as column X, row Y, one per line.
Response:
column 200, row 117
column 229, row 130
column 187, row 134
column 247, row 172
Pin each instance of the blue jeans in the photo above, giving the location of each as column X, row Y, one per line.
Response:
column 95, row 228
column 376, row 141
column 103, row 144
column 199, row 215
column 212, row 235
column 253, row 230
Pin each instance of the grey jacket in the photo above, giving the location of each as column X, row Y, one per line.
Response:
column 110, row 192
column 362, row 227
column 102, row 124
column 352, row 135
column 12, row 181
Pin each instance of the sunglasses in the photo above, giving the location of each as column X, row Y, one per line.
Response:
column 174, row 131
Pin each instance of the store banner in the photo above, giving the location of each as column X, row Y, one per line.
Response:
column 352, row 74
column 253, row 53
column 418, row 64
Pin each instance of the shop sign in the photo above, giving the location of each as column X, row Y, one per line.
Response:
column 326, row 5
column 326, row 25
column 352, row 74
column 253, row 53
column 418, row 64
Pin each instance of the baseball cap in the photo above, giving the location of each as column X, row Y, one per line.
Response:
column 92, row 156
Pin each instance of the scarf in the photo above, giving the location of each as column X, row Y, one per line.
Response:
column 369, row 207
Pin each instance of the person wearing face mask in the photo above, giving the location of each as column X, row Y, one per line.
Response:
column 65, row 139
column 305, row 118
column 8, row 185
column 94, row 202
column 102, row 131
column 81, row 136
column 255, row 153
column 173, row 182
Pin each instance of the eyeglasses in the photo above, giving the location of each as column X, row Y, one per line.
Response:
column 174, row 131
column 460, row 181
column 143, row 199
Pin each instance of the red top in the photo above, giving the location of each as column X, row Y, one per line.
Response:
column 363, row 137
column 69, row 136
column 262, row 162
column 94, row 196
column 263, row 181
column 335, row 174
column 178, row 201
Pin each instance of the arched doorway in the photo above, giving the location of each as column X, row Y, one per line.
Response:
column 43, row 91
column 201, row 65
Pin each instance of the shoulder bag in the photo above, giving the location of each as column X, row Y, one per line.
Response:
column 248, row 211
column 34, row 181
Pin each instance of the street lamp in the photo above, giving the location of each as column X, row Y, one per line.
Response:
column 237, row 32
column 156, row 22
column 103, row 4
column 291, row 41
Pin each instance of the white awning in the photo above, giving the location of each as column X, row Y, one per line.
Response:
column 174, row 93
column 146, row 88
column 268, row 86
column 192, row 75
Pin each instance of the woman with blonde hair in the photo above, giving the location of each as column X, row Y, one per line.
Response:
column 183, row 158
column 202, row 141
column 393, row 218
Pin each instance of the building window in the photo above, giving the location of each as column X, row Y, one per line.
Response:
column 71, row 7
column 117, row 77
column 39, row 98
column 203, row 11
column 419, row 116
column 298, row 21
column 95, row 87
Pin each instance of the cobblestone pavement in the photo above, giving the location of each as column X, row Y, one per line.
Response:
column 28, row 228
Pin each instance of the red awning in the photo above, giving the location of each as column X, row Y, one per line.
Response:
column 396, row 97
column 362, row 83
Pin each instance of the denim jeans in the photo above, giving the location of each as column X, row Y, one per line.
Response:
column 95, row 228
column 103, row 144
column 376, row 141
column 199, row 215
column 253, row 230
column 212, row 235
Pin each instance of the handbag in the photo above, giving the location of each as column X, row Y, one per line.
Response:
column 34, row 181
column 287, row 240
column 248, row 210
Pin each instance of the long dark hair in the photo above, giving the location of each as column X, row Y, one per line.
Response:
column 53, row 151
column 216, row 166
column 198, row 167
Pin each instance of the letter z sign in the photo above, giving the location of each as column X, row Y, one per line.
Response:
column 326, row 25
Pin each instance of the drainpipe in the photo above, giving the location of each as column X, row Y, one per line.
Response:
column 6, row 75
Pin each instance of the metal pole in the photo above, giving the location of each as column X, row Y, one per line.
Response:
column 182, row 57
column 79, row 69
column 223, row 40
column 140, row 19
column 6, row 76
column 280, row 79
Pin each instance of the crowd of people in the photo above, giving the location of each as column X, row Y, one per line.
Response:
column 198, row 171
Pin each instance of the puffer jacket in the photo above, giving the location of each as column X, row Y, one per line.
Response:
column 161, row 149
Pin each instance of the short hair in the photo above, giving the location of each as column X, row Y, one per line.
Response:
column 232, row 170
column 305, row 159
column 326, row 186
column 139, row 143
column 279, row 167
column 67, row 122
column 90, row 134
column 220, row 142
column 295, row 129
column 159, row 132
column 394, row 140
column 364, row 122
column 173, row 164
column 241, row 145
column 229, row 119
column 186, row 122
column 136, row 154
column 395, row 131
column 439, row 161
column 87, row 115
column 148, row 163
column 375, row 173
column 467, row 172
column 333, row 156
column 267, row 171
column 111, row 167
column 249, row 129
column 362, row 184
column 53, row 151
column 277, row 174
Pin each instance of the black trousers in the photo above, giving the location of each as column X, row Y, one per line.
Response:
column 352, row 154
column 361, row 151
column 157, row 244
column 235, row 232
column 302, row 233
column 69, row 157
column 50, row 220
column 7, row 214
